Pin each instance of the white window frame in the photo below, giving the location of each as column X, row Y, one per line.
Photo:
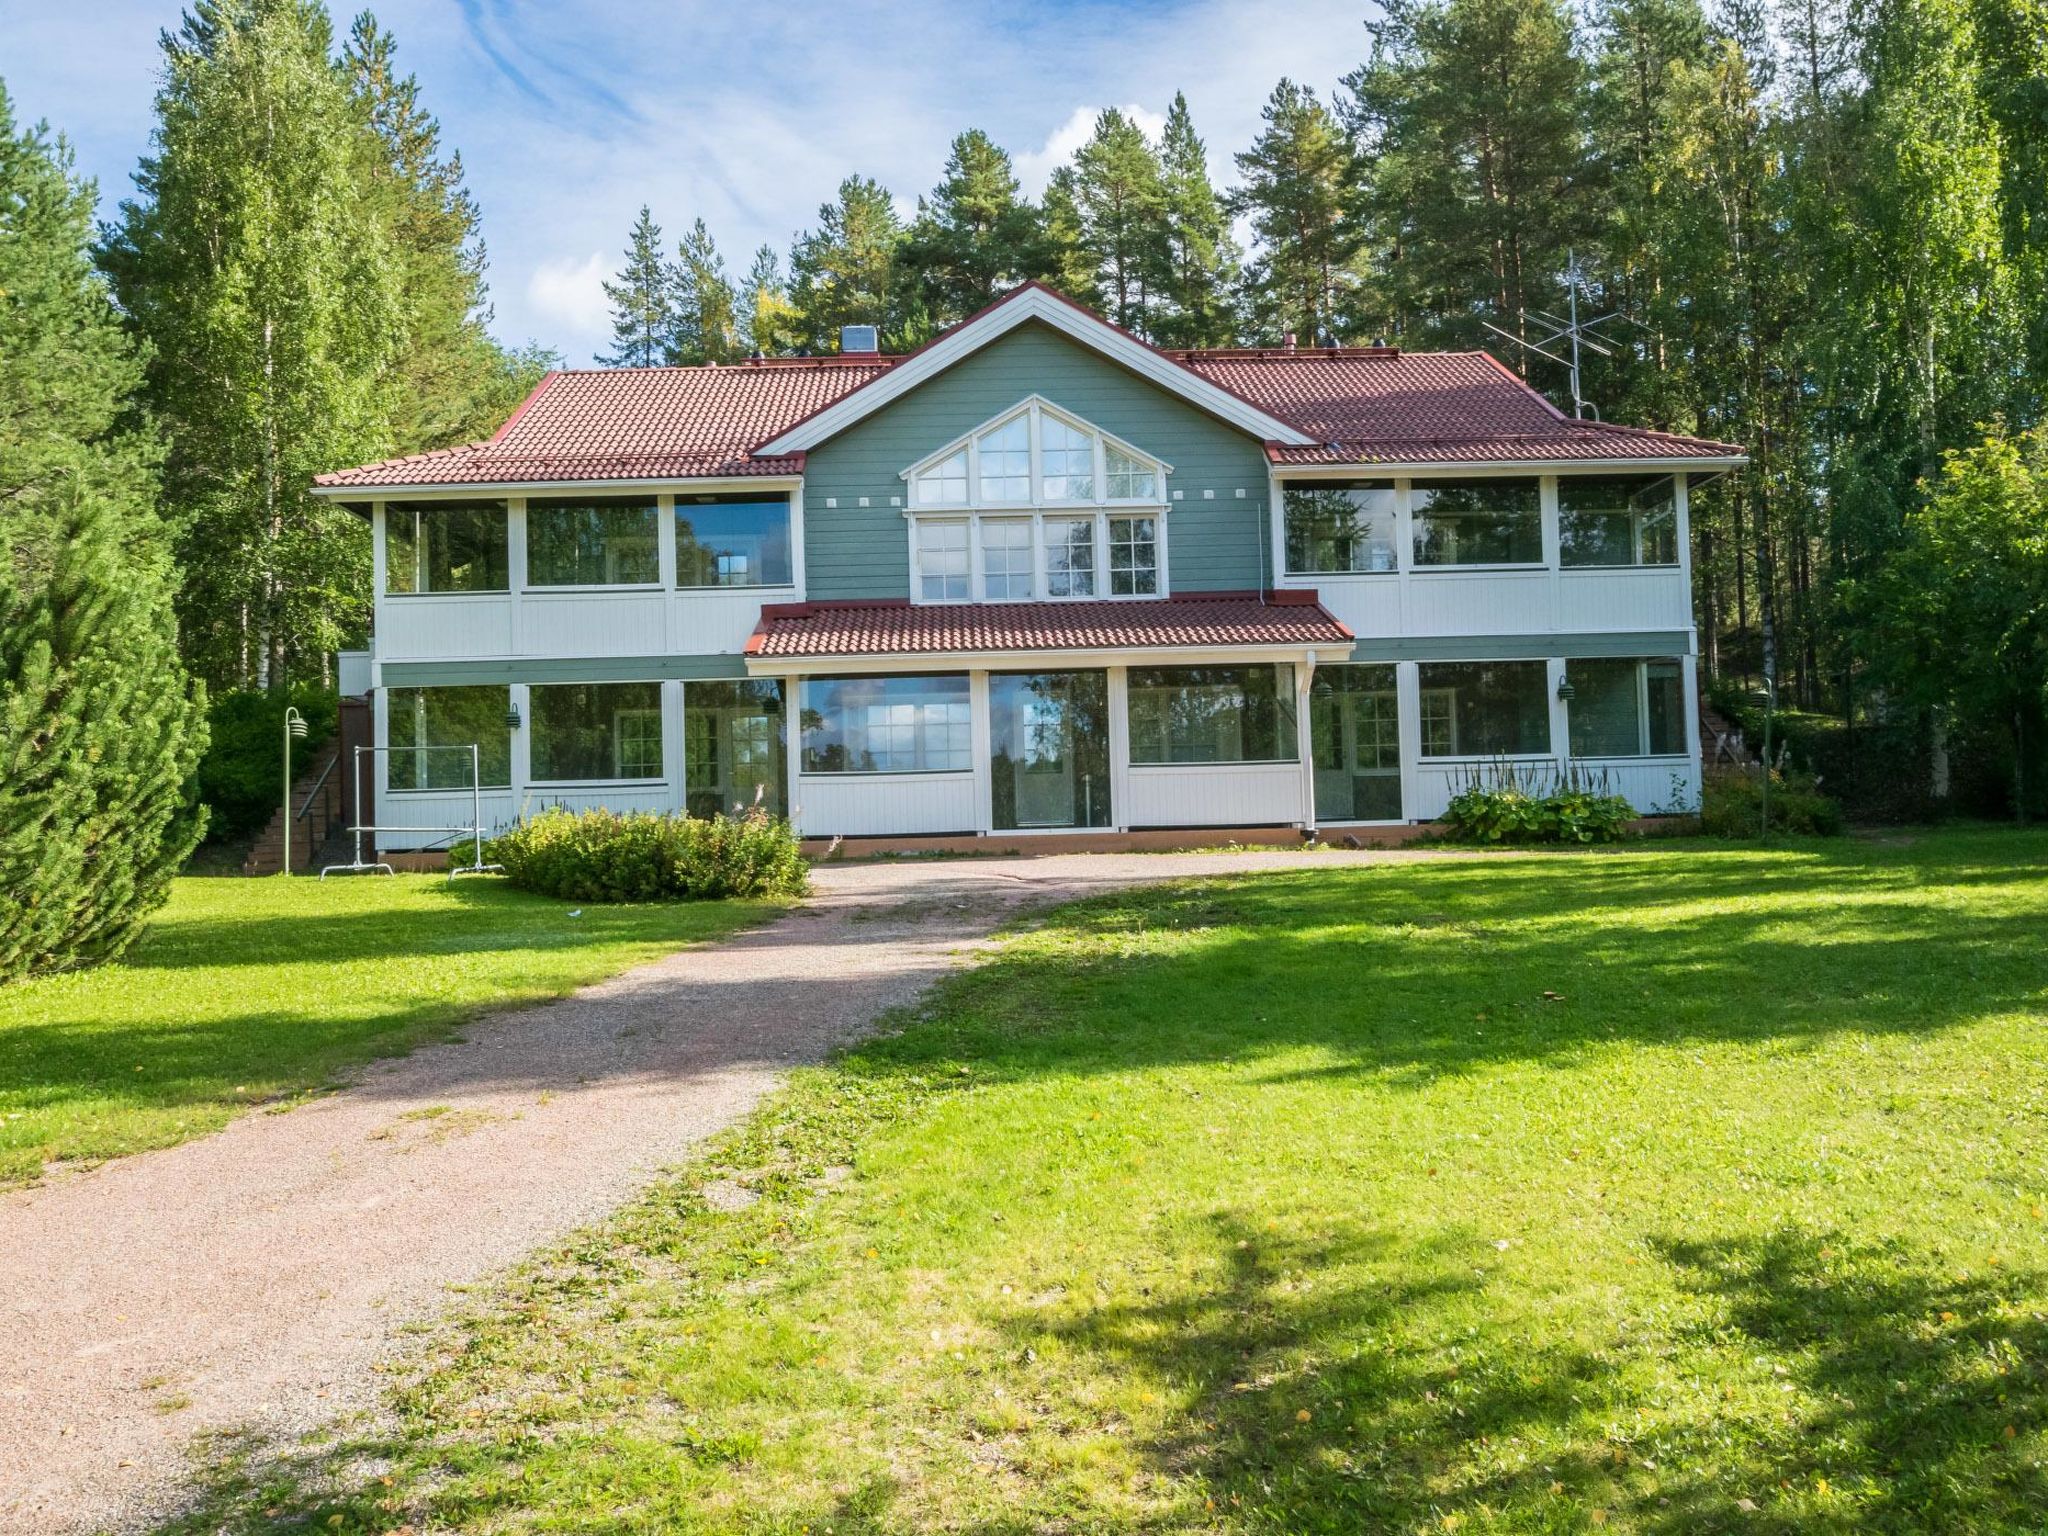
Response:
column 1101, row 507
column 1641, row 665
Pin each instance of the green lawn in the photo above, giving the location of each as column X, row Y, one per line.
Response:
column 1672, row 1190
column 242, row 991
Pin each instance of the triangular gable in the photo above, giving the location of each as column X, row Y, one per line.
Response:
column 1034, row 301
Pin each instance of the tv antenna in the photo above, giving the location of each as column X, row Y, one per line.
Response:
column 1570, row 328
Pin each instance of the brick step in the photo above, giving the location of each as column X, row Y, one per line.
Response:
column 266, row 852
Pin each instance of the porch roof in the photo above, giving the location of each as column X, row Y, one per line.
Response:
column 1204, row 621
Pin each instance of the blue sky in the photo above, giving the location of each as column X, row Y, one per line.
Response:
column 569, row 116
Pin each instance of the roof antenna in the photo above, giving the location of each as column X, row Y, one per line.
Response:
column 1569, row 327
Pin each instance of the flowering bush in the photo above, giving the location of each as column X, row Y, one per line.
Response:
column 601, row 855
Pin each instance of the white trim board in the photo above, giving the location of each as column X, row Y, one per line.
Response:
column 999, row 320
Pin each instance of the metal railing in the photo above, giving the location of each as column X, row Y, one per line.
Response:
column 474, row 832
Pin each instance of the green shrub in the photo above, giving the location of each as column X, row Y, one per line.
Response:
column 240, row 779
column 1510, row 813
column 1731, row 805
column 601, row 855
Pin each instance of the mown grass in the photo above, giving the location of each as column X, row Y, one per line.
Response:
column 1675, row 1190
column 246, row 991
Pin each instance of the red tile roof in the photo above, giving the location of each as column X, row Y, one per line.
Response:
column 898, row 628
column 1367, row 405
column 1380, row 405
column 638, row 424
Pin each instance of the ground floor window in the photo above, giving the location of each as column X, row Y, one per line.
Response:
column 1212, row 714
column 733, row 746
column 595, row 732
column 1355, row 733
column 1622, row 707
column 1049, row 749
column 1484, row 708
column 912, row 724
column 431, row 730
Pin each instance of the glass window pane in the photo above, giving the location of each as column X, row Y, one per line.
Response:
column 1664, row 695
column 1485, row 708
column 1133, row 557
column 1212, row 714
column 733, row 541
column 733, row 746
column 942, row 561
column 1605, row 709
column 431, row 730
column 1049, row 749
column 595, row 732
column 1340, row 527
column 1070, row 556
column 592, row 543
column 914, row 724
column 1067, row 461
column 1129, row 479
column 446, row 546
column 1355, row 734
column 1617, row 520
column 1006, row 564
column 1006, row 462
column 1477, row 522
column 945, row 483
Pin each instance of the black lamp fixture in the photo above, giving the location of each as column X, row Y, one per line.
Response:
column 512, row 718
column 1565, row 691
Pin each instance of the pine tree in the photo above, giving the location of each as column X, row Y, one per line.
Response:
column 975, row 236
column 100, row 728
column 1300, row 184
column 258, row 263
column 1067, row 263
column 707, row 326
column 455, row 381
column 1122, row 202
column 768, row 318
column 1473, row 117
column 845, row 272
column 643, row 301
column 1201, row 258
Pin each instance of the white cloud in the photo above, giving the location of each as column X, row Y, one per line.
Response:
column 570, row 292
column 1035, row 166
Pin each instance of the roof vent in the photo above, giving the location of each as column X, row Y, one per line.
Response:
column 855, row 340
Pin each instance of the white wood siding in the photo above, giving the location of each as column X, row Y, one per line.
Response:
column 1213, row 795
column 887, row 804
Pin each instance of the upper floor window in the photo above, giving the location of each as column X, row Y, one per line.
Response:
column 734, row 540
column 1036, row 455
column 592, row 542
column 1617, row 520
column 1477, row 522
column 446, row 546
column 1347, row 526
column 1046, row 507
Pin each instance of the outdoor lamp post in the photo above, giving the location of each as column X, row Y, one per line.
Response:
column 1766, row 699
column 294, row 725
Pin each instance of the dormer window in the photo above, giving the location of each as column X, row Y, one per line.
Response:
column 1037, row 505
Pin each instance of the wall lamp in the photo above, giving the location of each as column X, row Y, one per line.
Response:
column 512, row 718
column 1565, row 691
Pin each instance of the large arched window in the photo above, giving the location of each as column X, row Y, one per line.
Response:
column 1037, row 505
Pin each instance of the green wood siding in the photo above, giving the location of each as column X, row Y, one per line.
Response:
column 1214, row 542
column 556, row 669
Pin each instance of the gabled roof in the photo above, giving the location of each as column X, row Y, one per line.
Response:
column 1381, row 406
column 1197, row 621
column 1329, row 406
column 605, row 424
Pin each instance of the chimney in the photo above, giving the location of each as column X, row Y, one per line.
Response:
column 858, row 341
column 1288, row 341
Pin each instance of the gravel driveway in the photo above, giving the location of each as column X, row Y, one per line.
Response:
column 252, row 1278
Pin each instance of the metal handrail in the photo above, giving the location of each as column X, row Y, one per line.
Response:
column 319, row 784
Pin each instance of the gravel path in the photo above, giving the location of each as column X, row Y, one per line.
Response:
column 252, row 1278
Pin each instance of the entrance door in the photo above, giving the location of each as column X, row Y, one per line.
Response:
column 1355, row 733
column 1049, row 749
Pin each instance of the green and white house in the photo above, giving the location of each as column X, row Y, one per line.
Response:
column 1034, row 577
